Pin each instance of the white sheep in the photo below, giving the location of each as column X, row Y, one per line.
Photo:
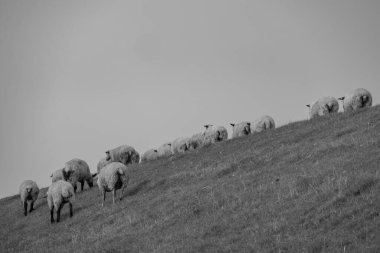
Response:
column 150, row 155
column 214, row 134
column 60, row 193
column 180, row 145
column 124, row 154
column 113, row 177
column 103, row 162
column 261, row 124
column 80, row 173
column 356, row 99
column 196, row 141
column 28, row 192
column 323, row 106
column 165, row 150
column 60, row 174
column 240, row 129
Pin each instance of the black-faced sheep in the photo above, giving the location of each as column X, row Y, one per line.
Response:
column 28, row 192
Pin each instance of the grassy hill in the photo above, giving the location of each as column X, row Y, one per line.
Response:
column 310, row 186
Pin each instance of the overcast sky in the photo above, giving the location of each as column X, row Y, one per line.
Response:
column 80, row 77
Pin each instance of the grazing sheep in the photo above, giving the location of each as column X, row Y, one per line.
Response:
column 28, row 192
column 80, row 173
column 124, row 154
column 60, row 193
column 240, row 129
column 165, row 150
column 103, row 162
column 60, row 174
column 323, row 106
column 113, row 177
column 356, row 99
column 215, row 134
column 196, row 141
column 261, row 124
column 180, row 145
column 149, row 155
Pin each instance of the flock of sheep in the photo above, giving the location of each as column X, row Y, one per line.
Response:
column 112, row 169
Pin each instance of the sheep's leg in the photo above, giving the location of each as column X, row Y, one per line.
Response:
column 81, row 185
column 31, row 207
column 25, row 207
column 71, row 209
column 51, row 215
column 75, row 188
column 114, row 195
column 104, row 197
column 59, row 212
column 121, row 192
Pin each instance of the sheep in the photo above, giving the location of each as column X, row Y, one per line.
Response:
column 28, row 192
column 180, row 145
column 60, row 193
column 165, row 150
column 60, row 174
column 149, row 155
column 356, row 99
column 323, row 106
column 80, row 173
column 196, row 141
column 240, row 129
column 214, row 134
column 124, row 154
column 111, row 178
column 103, row 162
column 261, row 124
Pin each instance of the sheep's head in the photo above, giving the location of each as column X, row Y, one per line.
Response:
column 232, row 124
column 108, row 155
column 308, row 106
column 207, row 126
column 341, row 98
column 247, row 128
column 155, row 150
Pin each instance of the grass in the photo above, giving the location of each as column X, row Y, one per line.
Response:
column 309, row 186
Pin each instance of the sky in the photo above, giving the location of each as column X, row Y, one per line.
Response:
column 80, row 77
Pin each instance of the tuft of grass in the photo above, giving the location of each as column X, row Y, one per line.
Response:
column 309, row 186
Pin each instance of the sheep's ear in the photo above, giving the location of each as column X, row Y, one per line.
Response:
column 232, row 124
column 120, row 171
column 308, row 105
column 341, row 98
column 94, row 175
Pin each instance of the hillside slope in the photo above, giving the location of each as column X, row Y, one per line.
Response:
column 310, row 186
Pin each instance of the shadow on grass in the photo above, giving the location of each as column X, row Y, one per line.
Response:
column 137, row 188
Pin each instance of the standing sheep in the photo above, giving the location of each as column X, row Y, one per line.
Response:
column 356, row 99
column 323, row 106
column 111, row 178
column 103, row 162
column 180, row 145
column 240, row 129
column 60, row 193
column 215, row 134
column 80, row 173
column 28, row 192
column 261, row 124
column 149, row 155
column 196, row 141
column 165, row 150
column 124, row 154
